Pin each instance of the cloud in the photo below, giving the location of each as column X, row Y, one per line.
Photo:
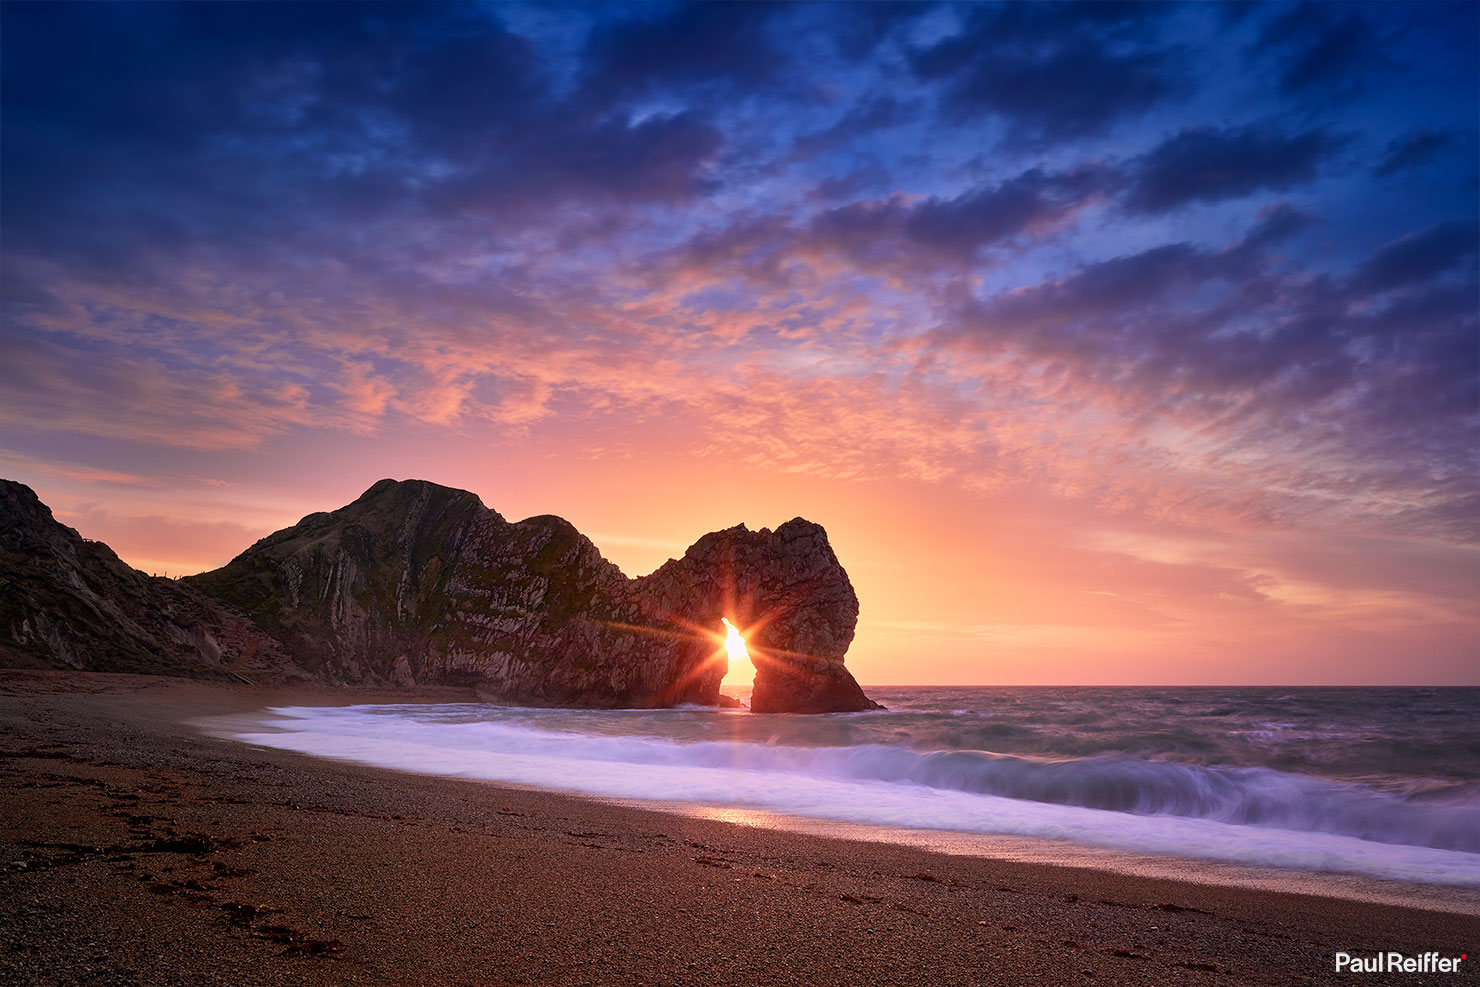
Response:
column 140, row 398
column 899, row 234
column 1052, row 73
column 958, row 228
column 862, row 120
column 1417, row 257
column 1032, row 202
column 1332, row 48
column 1217, row 352
column 76, row 472
column 1206, row 164
column 248, row 132
column 1412, row 151
column 663, row 158
column 815, row 250
column 727, row 45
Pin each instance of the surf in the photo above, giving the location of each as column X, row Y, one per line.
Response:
column 1255, row 816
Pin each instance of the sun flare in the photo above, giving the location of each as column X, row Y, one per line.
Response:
column 734, row 644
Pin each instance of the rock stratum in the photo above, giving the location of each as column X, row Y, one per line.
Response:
column 69, row 602
column 416, row 583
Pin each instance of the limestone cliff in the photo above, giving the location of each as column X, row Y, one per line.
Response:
column 415, row 582
column 66, row 601
column 420, row 583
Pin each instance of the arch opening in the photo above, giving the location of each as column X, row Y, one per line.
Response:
column 740, row 672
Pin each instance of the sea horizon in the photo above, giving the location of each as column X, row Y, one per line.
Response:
column 507, row 375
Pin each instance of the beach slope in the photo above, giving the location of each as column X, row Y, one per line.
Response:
column 139, row 850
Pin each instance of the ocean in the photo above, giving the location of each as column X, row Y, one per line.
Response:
column 1380, row 782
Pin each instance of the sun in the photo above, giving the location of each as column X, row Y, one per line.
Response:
column 735, row 648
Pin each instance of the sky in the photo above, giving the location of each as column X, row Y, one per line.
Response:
column 1111, row 343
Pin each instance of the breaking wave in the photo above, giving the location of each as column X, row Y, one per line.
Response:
column 1250, row 815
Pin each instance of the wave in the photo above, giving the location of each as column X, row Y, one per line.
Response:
column 1401, row 739
column 1250, row 815
column 1240, row 796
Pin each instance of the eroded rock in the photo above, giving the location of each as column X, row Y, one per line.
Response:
column 68, row 602
column 789, row 593
column 420, row 583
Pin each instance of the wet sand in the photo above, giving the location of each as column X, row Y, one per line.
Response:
column 139, row 850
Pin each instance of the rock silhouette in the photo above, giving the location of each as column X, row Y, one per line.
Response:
column 68, row 602
column 419, row 583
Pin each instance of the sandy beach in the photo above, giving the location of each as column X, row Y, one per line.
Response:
column 138, row 849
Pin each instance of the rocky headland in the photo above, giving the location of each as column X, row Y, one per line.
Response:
column 70, row 602
column 419, row 584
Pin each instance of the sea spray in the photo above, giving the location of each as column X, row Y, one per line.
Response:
column 1130, row 791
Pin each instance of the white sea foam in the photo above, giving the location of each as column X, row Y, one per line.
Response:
column 1250, row 816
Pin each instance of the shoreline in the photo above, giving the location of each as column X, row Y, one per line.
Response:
column 1456, row 896
column 1045, row 852
column 154, row 853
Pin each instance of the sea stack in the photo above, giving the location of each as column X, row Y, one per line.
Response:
column 787, row 589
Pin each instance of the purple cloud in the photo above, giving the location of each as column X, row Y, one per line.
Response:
column 1205, row 164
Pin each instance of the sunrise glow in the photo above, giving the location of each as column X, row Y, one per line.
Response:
column 1070, row 412
column 741, row 670
column 1162, row 369
column 734, row 643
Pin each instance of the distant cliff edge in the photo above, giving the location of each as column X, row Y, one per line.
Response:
column 420, row 583
column 68, row 602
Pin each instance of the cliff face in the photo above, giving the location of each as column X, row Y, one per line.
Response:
column 415, row 582
column 69, row 602
column 419, row 583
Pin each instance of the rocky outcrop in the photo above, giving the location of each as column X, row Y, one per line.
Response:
column 415, row 582
column 67, row 602
column 420, row 583
column 786, row 590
